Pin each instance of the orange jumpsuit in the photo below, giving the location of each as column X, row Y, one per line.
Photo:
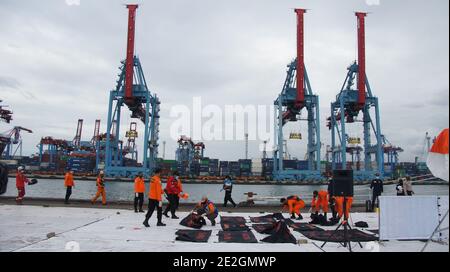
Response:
column 139, row 185
column 100, row 190
column 156, row 190
column 68, row 180
column 339, row 200
column 321, row 202
column 295, row 204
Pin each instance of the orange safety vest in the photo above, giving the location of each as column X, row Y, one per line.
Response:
column 139, row 185
column 100, row 183
column 323, row 196
column 156, row 190
column 68, row 180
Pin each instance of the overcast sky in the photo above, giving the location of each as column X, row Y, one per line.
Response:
column 59, row 61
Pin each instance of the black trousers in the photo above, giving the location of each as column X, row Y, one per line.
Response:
column 375, row 199
column 152, row 205
column 139, row 199
column 174, row 202
column 68, row 193
column 332, row 205
column 228, row 198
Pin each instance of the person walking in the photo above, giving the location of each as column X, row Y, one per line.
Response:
column 377, row 190
column 21, row 180
column 407, row 185
column 139, row 189
column 69, row 183
column 228, row 188
column 100, row 189
column 173, row 190
column 400, row 189
column 155, row 199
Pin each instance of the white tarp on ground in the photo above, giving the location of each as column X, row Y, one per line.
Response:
column 25, row 228
column 408, row 218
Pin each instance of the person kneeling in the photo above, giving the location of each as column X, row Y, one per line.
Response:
column 294, row 204
column 207, row 209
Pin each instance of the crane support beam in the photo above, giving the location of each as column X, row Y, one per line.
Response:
column 129, row 66
column 361, row 59
column 300, row 59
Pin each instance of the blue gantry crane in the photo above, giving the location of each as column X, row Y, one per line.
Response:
column 132, row 91
column 392, row 154
column 297, row 95
column 11, row 142
column 350, row 102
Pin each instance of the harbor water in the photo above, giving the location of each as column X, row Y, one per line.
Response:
column 123, row 191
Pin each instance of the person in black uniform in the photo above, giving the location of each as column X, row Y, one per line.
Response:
column 377, row 190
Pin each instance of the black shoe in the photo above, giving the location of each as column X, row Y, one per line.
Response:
column 300, row 217
column 141, row 211
column 175, row 217
column 166, row 215
column 213, row 224
column 146, row 224
column 136, row 211
column 160, row 224
column 292, row 216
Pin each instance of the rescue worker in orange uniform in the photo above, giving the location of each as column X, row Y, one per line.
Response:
column 100, row 188
column 139, row 189
column 69, row 183
column 155, row 199
column 320, row 202
column 20, row 184
column 294, row 204
column 208, row 209
column 339, row 200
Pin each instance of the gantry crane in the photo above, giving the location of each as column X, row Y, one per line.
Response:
column 391, row 153
column 11, row 142
column 132, row 91
column 350, row 102
column 297, row 95
column 5, row 115
column 131, row 135
column 53, row 148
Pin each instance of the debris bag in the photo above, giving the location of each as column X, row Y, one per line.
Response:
column 33, row 182
column 242, row 237
column 338, row 236
column 280, row 235
column 321, row 220
column 264, row 228
column 194, row 236
column 194, row 221
column 234, row 227
column 233, row 220
column 302, row 226
column 361, row 224
column 270, row 218
column 3, row 178
column 278, row 216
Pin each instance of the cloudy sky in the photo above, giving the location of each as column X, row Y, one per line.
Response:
column 59, row 61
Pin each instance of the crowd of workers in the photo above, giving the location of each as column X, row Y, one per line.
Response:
column 323, row 201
